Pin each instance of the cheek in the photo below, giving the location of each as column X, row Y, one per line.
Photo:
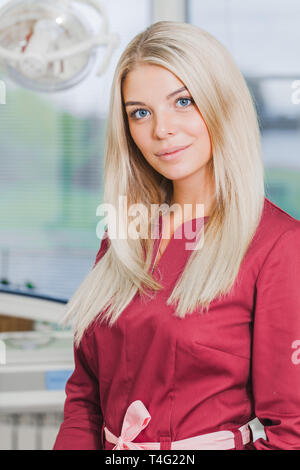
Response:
column 197, row 126
column 200, row 132
column 142, row 140
column 138, row 136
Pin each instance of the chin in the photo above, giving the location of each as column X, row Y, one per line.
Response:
column 178, row 174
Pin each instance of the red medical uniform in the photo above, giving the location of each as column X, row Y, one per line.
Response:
column 208, row 371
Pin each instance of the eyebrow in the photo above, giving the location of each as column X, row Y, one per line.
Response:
column 140, row 103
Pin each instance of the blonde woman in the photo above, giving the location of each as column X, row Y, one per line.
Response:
column 183, row 338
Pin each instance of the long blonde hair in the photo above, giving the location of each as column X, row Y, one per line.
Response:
column 220, row 92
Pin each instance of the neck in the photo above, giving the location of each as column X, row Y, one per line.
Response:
column 196, row 189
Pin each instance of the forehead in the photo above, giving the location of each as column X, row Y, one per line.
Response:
column 148, row 80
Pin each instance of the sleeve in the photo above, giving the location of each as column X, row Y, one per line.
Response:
column 83, row 421
column 276, row 346
column 81, row 428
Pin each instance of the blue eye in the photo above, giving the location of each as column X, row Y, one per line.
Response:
column 133, row 114
column 189, row 100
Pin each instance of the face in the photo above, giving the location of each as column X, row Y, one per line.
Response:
column 162, row 116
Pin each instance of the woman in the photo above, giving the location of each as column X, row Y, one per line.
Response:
column 179, row 348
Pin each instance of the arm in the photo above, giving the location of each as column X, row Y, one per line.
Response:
column 81, row 428
column 276, row 334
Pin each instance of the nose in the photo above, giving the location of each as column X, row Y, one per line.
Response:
column 164, row 126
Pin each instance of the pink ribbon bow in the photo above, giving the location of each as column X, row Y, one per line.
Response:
column 135, row 420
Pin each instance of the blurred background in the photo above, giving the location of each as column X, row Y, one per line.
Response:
column 51, row 180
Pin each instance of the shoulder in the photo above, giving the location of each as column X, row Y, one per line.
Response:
column 277, row 233
column 275, row 225
column 275, row 218
column 276, row 242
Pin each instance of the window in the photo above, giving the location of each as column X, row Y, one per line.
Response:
column 264, row 38
column 51, row 180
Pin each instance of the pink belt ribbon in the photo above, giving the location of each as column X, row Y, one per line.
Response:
column 137, row 418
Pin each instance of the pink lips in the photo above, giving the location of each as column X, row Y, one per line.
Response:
column 171, row 151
